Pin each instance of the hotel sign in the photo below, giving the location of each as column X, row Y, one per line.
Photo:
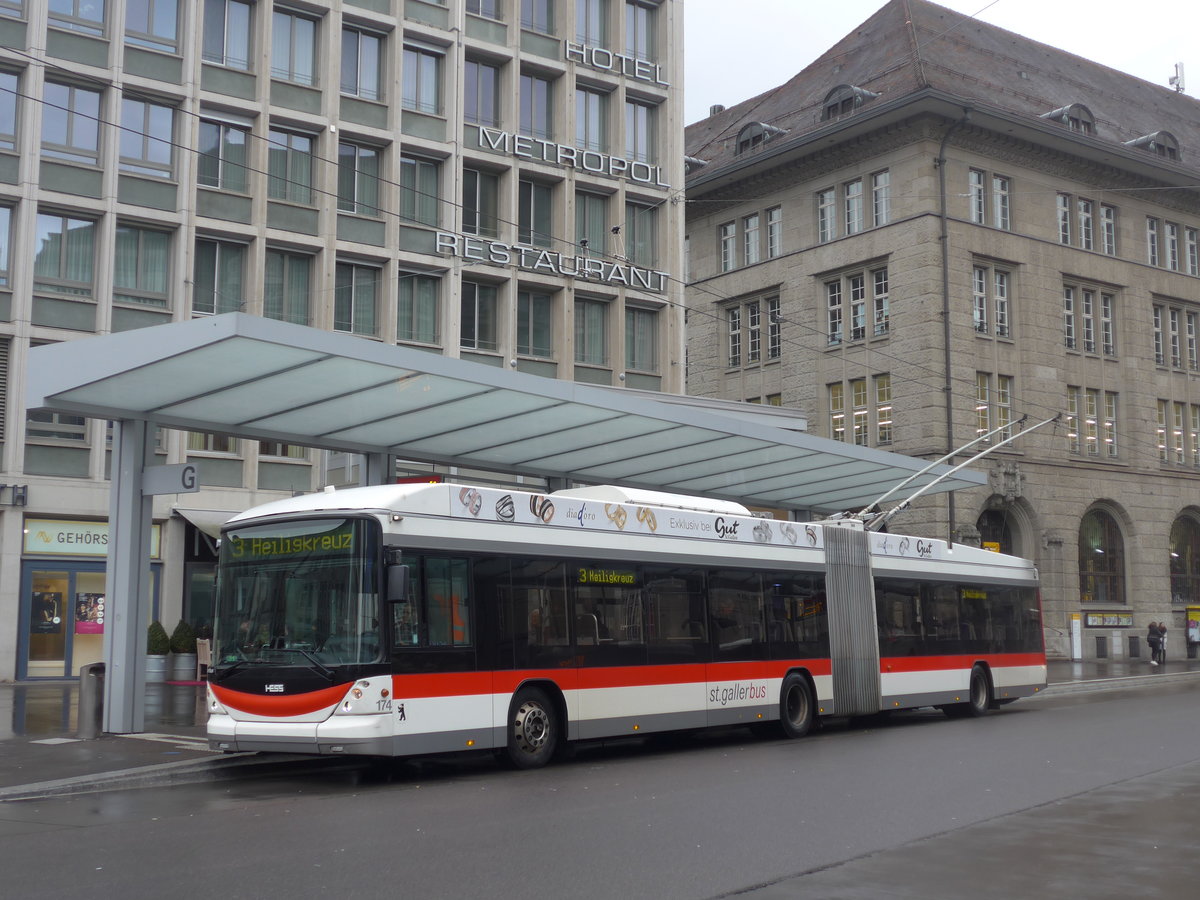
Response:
column 606, row 61
column 591, row 161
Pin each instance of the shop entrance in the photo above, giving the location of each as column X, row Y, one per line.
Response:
column 63, row 617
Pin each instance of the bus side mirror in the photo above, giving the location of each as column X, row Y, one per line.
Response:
column 397, row 584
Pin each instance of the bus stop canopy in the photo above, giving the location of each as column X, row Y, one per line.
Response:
column 267, row 380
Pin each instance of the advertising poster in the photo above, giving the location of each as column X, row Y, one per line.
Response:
column 45, row 615
column 1193, row 624
column 89, row 614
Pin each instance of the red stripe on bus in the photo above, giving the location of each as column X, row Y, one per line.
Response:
column 962, row 661
column 280, row 705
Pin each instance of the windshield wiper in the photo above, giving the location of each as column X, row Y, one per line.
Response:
column 315, row 664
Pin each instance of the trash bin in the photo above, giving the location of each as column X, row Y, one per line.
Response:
column 91, row 701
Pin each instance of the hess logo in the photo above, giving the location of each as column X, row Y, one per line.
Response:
column 274, row 688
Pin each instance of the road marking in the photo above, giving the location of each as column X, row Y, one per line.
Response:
column 175, row 740
column 56, row 741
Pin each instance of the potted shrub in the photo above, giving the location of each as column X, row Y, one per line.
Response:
column 158, row 645
column 183, row 646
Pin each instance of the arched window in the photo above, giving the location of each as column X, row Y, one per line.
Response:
column 1101, row 559
column 843, row 99
column 1185, row 561
column 756, row 133
column 1077, row 117
column 994, row 531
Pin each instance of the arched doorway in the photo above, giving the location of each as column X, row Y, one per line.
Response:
column 1101, row 559
column 1185, row 561
column 995, row 533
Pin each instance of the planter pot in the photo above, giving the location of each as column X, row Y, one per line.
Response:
column 183, row 667
column 156, row 667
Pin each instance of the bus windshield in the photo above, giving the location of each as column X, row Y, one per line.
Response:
column 304, row 593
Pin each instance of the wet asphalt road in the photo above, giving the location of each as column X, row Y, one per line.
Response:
column 1094, row 795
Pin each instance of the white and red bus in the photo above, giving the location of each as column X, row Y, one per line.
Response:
column 412, row 619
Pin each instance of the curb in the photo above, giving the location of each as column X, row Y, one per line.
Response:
column 1115, row 684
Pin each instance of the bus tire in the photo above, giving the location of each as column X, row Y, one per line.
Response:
column 796, row 707
column 533, row 729
column 979, row 698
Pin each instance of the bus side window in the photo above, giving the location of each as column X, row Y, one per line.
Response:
column 449, row 609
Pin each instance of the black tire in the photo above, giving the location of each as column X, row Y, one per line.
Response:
column 796, row 706
column 533, row 729
column 979, row 698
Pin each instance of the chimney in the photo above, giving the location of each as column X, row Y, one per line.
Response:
column 716, row 108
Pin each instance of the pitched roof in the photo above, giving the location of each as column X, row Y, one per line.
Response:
column 908, row 45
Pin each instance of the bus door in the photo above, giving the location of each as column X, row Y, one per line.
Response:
column 853, row 632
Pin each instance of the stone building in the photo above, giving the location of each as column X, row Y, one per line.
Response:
column 484, row 179
column 940, row 230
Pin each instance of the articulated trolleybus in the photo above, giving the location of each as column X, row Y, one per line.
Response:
column 411, row 619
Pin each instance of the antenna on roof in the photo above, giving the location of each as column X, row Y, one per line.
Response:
column 1176, row 80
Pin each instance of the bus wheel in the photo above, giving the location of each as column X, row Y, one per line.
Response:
column 795, row 706
column 979, row 698
column 532, row 730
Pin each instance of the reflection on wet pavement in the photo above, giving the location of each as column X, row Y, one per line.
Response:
column 50, row 710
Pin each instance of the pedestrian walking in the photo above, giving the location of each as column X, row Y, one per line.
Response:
column 1153, row 641
column 1162, row 643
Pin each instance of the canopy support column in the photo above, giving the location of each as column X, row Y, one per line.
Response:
column 127, row 583
column 380, row 468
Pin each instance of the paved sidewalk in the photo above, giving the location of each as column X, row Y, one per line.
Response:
column 41, row 754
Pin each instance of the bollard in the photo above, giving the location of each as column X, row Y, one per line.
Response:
column 91, row 701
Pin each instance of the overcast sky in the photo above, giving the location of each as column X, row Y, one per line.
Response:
column 736, row 49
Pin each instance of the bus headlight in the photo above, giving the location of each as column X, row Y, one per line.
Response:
column 214, row 705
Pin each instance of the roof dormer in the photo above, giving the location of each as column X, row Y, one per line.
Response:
column 1162, row 143
column 844, row 99
column 1077, row 117
column 756, row 133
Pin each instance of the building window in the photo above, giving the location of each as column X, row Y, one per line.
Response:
column 1101, row 560
column 481, row 93
column 5, row 244
column 481, row 192
column 417, row 312
column 591, row 332
column 86, row 16
column 1184, row 561
column 147, row 133
column 228, row 34
column 591, row 223
column 282, row 451
column 356, row 299
column 9, row 91
column 881, row 198
column 774, row 329
column 153, row 24
column 1092, row 422
column 733, row 322
column 478, row 326
column 641, row 235
column 1171, row 242
column 751, row 239
column 535, row 324
column 639, row 30
column 421, row 89
column 489, row 9
column 293, row 47
column 141, row 266
column 1064, row 219
column 1192, row 243
column 538, row 15
column 289, row 166
column 990, row 301
column 591, row 22
column 65, row 255
column 852, row 192
column 591, row 120
column 419, row 190
column 727, row 241
column 218, row 277
column 71, row 123
column 1088, row 319
column 993, row 404
column 639, row 131
column 211, row 442
column 883, row 409
column 753, row 332
column 837, row 411
column 976, row 197
column 222, row 156
column 1152, row 250
column 846, row 300
column 358, row 180
column 844, row 99
column 1084, row 209
column 1001, row 211
column 826, row 215
column 853, row 425
column 535, row 214
column 287, row 287
column 362, row 64
column 641, row 339
column 1175, row 337
column 774, row 232
column 537, row 106
column 1108, row 228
